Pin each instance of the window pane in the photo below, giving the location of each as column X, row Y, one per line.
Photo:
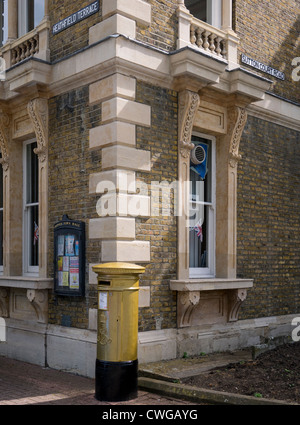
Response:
column 1, row 216
column 33, row 227
column 199, row 240
column 32, row 181
column 3, row 21
column 30, row 14
column 1, row 187
column 197, row 8
column 39, row 11
column 31, row 218
column 200, row 194
column 1, row 237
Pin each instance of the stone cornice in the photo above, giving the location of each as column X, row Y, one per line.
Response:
column 120, row 54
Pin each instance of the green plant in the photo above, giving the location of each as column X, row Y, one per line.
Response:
column 258, row 395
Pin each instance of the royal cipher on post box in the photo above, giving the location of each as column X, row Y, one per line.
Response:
column 69, row 257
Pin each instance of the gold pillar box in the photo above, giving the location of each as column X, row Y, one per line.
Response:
column 117, row 332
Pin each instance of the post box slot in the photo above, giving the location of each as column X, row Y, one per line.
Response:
column 104, row 282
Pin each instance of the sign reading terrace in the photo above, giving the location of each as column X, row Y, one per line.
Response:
column 264, row 68
column 76, row 17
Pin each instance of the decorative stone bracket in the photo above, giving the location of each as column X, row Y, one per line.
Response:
column 39, row 301
column 188, row 301
column 38, row 113
column 4, row 298
column 189, row 296
column 236, row 297
column 4, row 139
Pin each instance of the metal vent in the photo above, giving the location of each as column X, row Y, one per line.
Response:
column 198, row 155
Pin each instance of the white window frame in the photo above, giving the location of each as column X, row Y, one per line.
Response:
column 23, row 8
column 4, row 17
column 28, row 269
column 2, row 210
column 214, row 13
column 210, row 271
column 22, row 17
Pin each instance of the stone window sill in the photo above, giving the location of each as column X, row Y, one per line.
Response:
column 213, row 284
column 26, row 282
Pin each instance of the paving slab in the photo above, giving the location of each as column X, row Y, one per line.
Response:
column 175, row 369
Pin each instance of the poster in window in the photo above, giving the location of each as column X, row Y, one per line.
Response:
column 70, row 245
column 65, row 278
column 74, row 278
column 60, row 264
column 61, row 245
column 65, row 264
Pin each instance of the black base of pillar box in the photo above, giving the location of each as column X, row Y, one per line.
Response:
column 116, row 381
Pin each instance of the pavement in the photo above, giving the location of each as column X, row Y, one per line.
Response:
column 27, row 384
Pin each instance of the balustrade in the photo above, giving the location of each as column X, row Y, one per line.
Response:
column 25, row 49
column 208, row 38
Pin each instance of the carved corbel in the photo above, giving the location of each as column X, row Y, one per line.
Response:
column 187, row 302
column 38, row 113
column 4, row 139
column 39, row 301
column 235, row 299
column 4, row 302
column 188, row 105
column 237, row 118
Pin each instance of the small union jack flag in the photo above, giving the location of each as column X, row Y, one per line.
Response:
column 36, row 233
column 198, row 230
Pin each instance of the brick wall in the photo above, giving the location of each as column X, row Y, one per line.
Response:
column 70, row 163
column 269, row 33
column 268, row 218
column 163, row 30
column 161, row 140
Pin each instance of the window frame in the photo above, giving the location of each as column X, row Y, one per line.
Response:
column 28, row 269
column 2, row 211
column 26, row 23
column 3, row 21
column 210, row 271
column 213, row 13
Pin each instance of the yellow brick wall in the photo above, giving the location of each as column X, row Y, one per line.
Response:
column 269, row 33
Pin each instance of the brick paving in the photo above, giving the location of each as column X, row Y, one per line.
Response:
column 26, row 384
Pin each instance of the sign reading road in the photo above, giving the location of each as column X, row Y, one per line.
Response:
column 261, row 67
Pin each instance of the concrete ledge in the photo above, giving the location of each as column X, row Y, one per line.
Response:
column 202, row 395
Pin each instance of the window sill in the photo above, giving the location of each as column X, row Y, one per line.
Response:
column 26, row 282
column 209, row 284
